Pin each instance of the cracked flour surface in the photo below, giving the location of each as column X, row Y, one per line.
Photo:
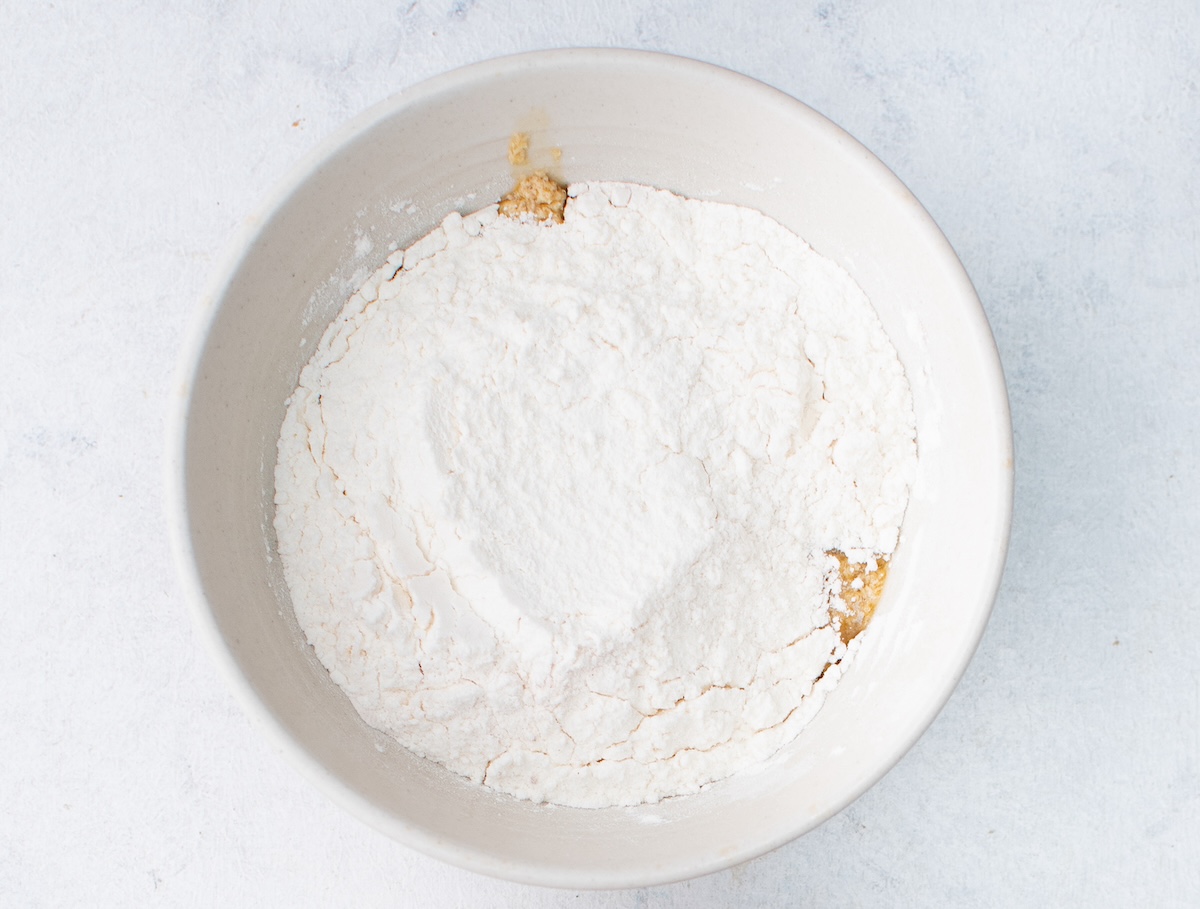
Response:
column 554, row 503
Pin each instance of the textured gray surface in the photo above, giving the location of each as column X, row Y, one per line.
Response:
column 1057, row 148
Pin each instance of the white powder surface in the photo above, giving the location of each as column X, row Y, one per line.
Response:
column 555, row 503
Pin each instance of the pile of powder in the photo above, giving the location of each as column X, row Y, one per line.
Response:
column 556, row 503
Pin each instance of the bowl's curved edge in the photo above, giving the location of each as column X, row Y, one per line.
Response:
column 990, row 574
column 177, row 517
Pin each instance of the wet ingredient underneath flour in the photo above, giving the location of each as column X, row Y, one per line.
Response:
column 567, row 508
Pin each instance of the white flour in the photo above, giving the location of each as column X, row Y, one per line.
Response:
column 554, row 503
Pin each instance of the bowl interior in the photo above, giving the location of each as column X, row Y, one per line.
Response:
column 676, row 124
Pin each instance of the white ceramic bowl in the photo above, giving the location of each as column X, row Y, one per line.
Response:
column 391, row 175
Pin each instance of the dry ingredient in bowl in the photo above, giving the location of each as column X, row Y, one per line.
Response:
column 568, row 508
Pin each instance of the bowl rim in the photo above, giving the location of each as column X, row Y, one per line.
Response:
column 238, row 248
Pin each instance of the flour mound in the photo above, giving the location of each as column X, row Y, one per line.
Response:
column 555, row 503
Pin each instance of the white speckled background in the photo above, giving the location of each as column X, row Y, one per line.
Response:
column 1057, row 145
